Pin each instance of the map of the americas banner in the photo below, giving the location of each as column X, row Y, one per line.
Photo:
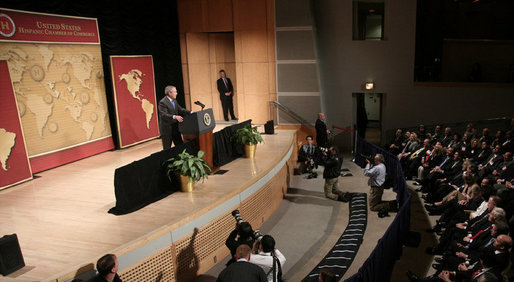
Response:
column 134, row 96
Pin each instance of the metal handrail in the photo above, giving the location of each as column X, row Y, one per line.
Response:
column 274, row 105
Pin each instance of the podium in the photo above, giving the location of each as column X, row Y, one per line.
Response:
column 199, row 126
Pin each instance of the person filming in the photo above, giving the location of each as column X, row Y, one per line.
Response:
column 331, row 173
column 242, row 234
column 377, row 175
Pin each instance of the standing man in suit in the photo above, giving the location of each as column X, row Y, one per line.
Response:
column 170, row 113
column 321, row 131
column 226, row 93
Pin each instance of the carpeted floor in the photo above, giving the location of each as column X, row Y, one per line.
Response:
column 307, row 225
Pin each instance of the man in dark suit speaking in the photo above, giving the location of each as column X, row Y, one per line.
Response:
column 226, row 93
column 170, row 113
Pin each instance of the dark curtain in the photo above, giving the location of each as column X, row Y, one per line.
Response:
column 126, row 28
column 143, row 182
column 225, row 150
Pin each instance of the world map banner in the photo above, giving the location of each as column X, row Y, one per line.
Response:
column 56, row 69
column 14, row 163
column 134, row 97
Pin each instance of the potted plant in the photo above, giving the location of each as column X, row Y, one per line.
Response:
column 190, row 169
column 249, row 137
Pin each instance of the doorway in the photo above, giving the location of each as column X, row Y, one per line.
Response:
column 367, row 116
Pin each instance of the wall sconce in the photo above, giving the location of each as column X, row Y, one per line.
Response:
column 370, row 85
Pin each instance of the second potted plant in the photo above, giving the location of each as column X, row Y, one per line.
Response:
column 249, row 137
column 190, row 169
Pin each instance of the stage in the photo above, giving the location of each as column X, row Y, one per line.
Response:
column 61, row 219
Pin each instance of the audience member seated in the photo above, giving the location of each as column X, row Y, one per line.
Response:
column 483, row 153
column 485, row 136
column 414, row 161
column 242, row 269
column 491, row 163
column 422, row 133
column 397, row 143
column 455, row 142
column 447, row 137
column 437, row 135
column 499, row 138
column 107, row 267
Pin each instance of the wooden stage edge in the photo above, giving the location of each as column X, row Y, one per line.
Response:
column 64, row 231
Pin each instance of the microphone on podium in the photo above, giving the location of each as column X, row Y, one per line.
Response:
column 200, row 104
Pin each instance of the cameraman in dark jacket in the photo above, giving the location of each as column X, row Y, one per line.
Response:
column 333, row 162
column 243, row 234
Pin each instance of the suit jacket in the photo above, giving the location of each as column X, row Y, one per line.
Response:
column 321, row 132
column 495, row 161
column 166, row 111
column 304, row 154
column 222, row 88
column 452, row 168
column 242, row 271
column 482, row 155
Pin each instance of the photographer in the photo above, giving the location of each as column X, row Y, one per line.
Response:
column 308, row 156
column 333, row 162
column 268, row 258
column 377, row 175
column 243, row 234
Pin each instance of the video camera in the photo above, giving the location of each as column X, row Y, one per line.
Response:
column 257, row 235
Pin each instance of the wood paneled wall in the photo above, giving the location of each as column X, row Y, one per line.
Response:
column 234, row 35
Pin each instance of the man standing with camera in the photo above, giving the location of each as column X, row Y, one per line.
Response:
column 242, row 235
column 377, row 176
column 268, row 258
column 333, row 162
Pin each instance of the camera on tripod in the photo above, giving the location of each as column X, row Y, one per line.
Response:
column 257, row 235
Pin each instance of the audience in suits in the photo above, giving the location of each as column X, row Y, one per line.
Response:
column 475, row 221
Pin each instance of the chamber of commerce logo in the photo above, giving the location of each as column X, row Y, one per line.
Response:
column 7, row 27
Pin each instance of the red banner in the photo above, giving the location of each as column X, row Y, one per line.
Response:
column 14, row 163
column 134, row 96
column 20, row 26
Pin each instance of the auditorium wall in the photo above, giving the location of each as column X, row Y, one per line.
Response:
column 297, row 67
column 237, row 36
column 346, row 64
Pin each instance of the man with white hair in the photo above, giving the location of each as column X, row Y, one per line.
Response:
column 377, row 174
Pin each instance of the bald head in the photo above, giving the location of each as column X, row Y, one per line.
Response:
column 321, row 116
column 503, row 242
column 243, row 251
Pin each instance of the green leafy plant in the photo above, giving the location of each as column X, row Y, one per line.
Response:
column 247, row 135
column 189, row 165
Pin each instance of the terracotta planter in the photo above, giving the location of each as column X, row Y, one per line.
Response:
column 250, row 150
column 185, row 184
